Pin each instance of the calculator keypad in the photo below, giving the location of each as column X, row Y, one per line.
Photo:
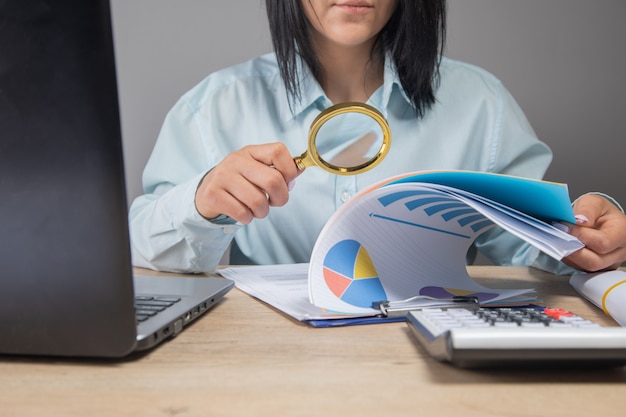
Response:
column 533, row 316
column 476, row 337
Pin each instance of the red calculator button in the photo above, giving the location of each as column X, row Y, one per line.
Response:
column 557, row 313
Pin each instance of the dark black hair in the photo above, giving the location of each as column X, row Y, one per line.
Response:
column 414, row 36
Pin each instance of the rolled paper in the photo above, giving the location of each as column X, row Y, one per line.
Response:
column 607, row 290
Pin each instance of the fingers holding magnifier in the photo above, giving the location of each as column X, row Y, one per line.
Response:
column 247, row 182
column 354, row 136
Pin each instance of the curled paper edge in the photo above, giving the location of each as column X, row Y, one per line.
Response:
column 606, row 290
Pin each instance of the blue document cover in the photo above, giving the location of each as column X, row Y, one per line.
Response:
column 545, row 200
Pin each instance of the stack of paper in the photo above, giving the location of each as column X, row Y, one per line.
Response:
column 285, row 287
column 409, row 236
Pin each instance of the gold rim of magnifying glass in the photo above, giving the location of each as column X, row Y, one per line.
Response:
column 349, row 107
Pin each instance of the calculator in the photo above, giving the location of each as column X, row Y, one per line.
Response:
column 528, row 335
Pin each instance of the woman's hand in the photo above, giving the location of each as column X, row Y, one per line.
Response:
column 247, row 182
column 601, row 226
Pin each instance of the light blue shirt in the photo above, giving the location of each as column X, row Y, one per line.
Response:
column 475, row 124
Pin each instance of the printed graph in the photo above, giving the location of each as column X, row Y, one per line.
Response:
column 351, row 276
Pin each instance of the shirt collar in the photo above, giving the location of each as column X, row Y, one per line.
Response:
column 391, row 85
column 313, row 96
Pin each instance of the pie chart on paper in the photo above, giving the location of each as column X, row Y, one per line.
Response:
column 351, row 276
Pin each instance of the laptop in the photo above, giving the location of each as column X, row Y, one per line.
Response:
column 66, row 280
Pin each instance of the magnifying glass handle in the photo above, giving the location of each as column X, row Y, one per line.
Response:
column 299, row 164
column 303, row 161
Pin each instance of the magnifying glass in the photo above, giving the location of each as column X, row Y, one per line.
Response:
column 346, row 139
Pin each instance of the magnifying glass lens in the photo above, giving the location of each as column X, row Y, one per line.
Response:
column 346, row 139
column 349, row 140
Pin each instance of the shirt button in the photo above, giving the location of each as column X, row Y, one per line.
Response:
column 345, row 196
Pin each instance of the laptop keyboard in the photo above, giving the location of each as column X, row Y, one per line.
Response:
column 147, row 306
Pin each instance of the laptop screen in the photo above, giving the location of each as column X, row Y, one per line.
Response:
column 64, row 247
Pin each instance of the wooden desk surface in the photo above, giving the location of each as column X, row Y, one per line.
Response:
column 244, row 358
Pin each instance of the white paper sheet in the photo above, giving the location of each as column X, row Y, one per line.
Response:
column 285, row 287
column 606, row 290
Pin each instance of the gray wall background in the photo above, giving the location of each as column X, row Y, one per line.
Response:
column 563, row 60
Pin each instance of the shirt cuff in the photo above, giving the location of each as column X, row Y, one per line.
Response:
column 222, row 219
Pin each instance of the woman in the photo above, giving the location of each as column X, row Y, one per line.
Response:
column 222, row 167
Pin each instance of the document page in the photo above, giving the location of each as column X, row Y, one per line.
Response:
column 284, row 287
